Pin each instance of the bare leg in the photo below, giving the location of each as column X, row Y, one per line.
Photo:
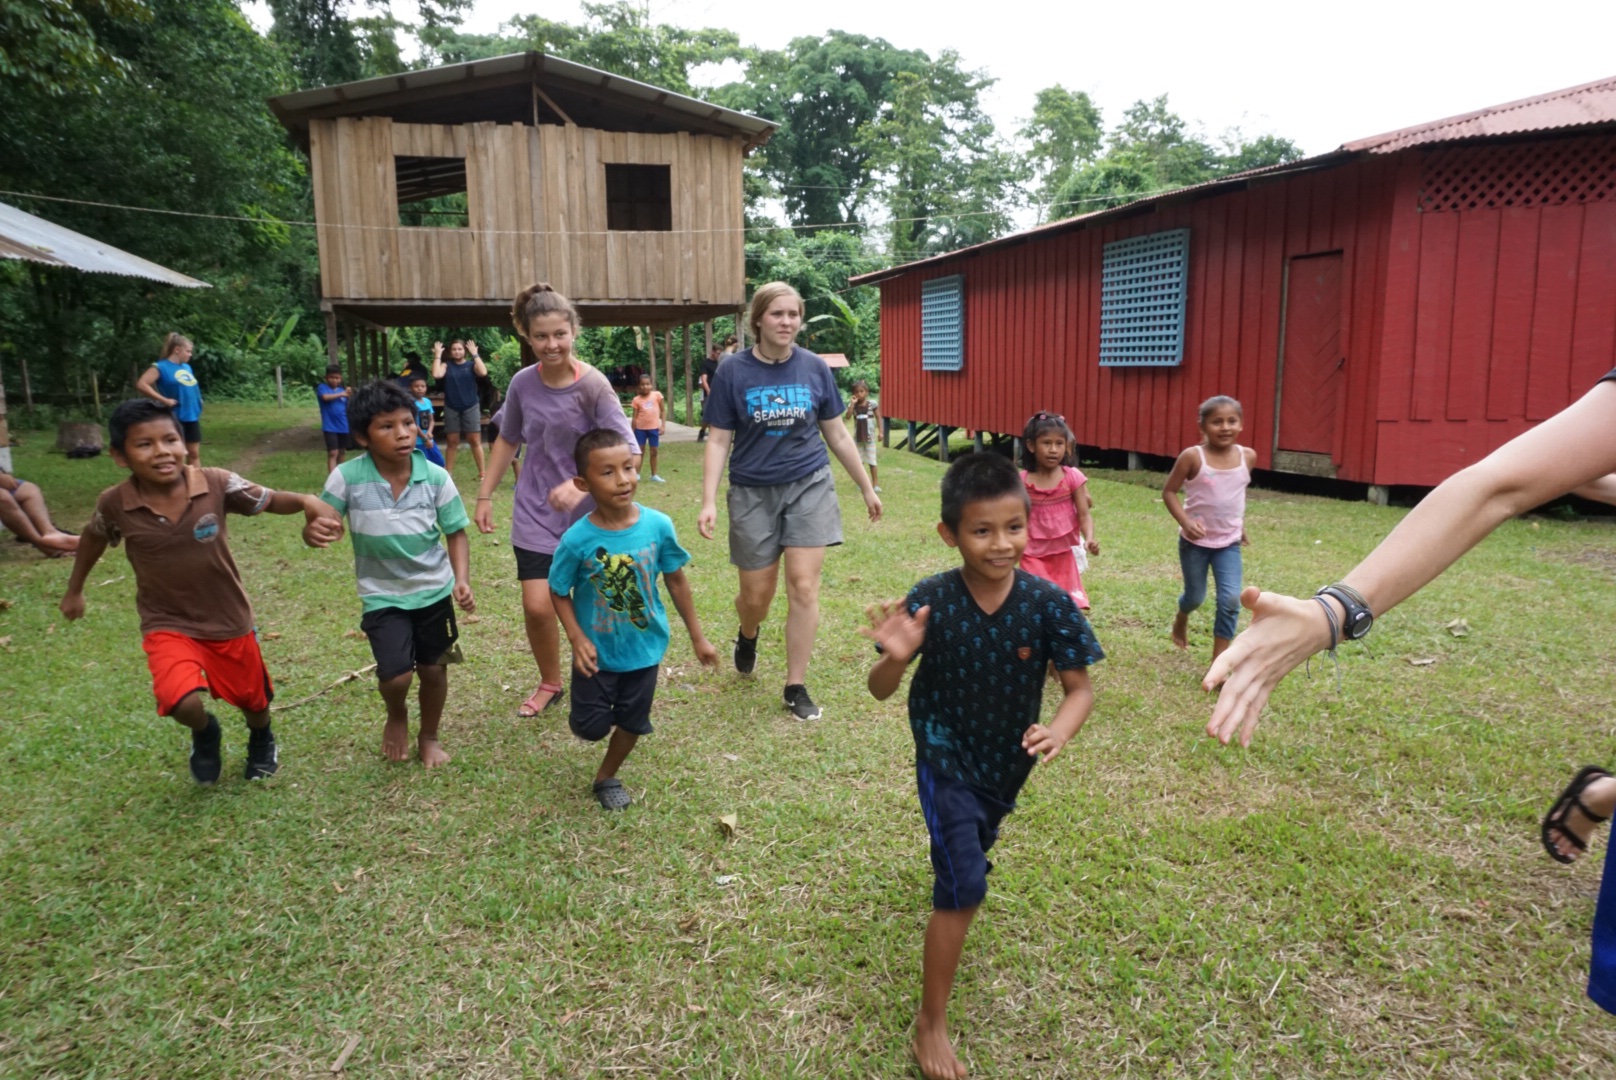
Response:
column 616, row 751
column 192, row 711
column 434, row 691
column 193, row 454
column 543, row 631
column 1181, row 631
column 476, row 440
column 396, row 732
column 803, row 565
column 755, row 595
column 333, row 458
column 873, row 480
column 1600, row 797
column 1218, row 645
column 653, row 461
column 24, row 514
column 450, row 450
column 945, row 940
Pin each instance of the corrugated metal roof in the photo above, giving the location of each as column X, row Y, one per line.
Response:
column 1576, row 106
column 376, row 96
column 33, row 238
column 24, row 236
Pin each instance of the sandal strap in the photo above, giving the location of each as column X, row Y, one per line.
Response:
column 1565, row 831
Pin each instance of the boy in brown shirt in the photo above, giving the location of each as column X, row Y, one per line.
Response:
column 196, row 622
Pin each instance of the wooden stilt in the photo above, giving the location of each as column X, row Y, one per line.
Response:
column 667, row 356
column 690, row 405
column 650, row 349
column 942, row 442
column 331, row 349
column 909, row 440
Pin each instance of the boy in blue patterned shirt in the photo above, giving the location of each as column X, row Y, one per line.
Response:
column 603, row 583
column 986, row 634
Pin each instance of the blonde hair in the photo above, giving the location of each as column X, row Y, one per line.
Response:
column 764, row 299
column 540, row 299
column 173, row 342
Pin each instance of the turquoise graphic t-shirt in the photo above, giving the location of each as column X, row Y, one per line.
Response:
column 610, row 574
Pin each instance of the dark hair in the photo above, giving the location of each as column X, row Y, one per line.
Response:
column 1042, row 423
column 1213, row 404
column 977, row 478
column 138, row 411
column 372, row 400
column 333, row 369
column 536, row 300
column 860, row 382
column 599, row 439
column 646, row 375
column 417, row 377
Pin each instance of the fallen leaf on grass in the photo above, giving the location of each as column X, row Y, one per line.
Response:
column 274, row 635
column 568, row 1016
column 353, row 634
column 725, row 879
column 5, row 642
column 109, row 581
column 697, row 1009
column 5, row 605
column 337, row 887
column 359, row 873
column 347, row 1052
column 472, row 619
column 1458, row 627
column 51, row 629
column 690, row 924
column 1422, row 662
column 731, row 757
column 727, row 824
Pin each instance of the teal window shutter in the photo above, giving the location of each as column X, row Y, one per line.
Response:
column 1143, row 287
column 942, row 324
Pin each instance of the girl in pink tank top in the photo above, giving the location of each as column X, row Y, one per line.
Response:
column 1059, row 493
column 1213, row 475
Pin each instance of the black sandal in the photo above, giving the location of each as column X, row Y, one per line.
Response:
column 611, row 794
column 1554, row 820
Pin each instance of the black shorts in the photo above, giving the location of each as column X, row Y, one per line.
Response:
column 532, row 565
column 338, row 440
column 191, row 430
column 401, row 638
column 609, row 699
column 964, row 824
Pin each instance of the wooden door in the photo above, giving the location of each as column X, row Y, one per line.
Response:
column 1312, row 375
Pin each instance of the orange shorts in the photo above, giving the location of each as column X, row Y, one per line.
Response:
column 232, row 670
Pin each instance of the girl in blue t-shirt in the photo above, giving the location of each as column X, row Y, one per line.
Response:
column 171, row 383
column 779, row 408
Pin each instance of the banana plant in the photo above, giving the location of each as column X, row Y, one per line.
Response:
column 844, row 321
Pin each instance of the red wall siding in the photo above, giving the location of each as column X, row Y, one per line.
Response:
column 1462, row 326
column 1032, row 321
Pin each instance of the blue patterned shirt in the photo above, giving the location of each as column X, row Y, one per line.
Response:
column 981, row 677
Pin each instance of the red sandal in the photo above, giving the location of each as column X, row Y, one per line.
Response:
column 531, row 707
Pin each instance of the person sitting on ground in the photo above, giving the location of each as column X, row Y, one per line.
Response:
column 411, row 556
column 976, row 729
column 196, row 622
column 603, row 578
column 23, row 511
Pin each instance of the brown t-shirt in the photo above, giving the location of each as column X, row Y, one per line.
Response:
column 185, row 579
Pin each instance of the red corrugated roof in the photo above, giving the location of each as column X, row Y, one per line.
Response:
column 1590, row 103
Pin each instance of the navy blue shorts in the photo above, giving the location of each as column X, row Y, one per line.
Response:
column 647, row 436
column 609, row 699
column 963, row 823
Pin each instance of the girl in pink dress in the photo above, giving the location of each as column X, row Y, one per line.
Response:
column 1213, row 475
column 1059, row 492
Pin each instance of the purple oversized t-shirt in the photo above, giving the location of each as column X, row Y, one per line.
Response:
column 550, row 422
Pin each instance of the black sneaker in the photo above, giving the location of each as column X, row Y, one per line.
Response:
column 801, row 705
column 205, row 760
column 262, row 757
column 745, row 652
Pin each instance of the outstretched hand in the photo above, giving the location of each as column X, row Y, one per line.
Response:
column 1284, row 632
column 899, row 633
column 322, row 525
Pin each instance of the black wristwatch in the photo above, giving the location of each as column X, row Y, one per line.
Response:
column 1359, row 618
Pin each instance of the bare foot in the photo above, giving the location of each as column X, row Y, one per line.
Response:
column 1600, row 797
column 432, row 753
column 396, row 740
column 57, row 544
column 934, row 1053
column 1181, row 630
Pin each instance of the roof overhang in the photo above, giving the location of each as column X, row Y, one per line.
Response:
column 528, row 87
column 24, row 236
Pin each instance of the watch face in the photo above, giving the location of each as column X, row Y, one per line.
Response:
column 1361, row 624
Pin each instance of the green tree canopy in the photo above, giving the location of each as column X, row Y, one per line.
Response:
column 1065, row 133
column 52, row 45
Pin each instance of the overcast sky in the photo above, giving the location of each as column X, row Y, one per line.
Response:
column 1318, row 73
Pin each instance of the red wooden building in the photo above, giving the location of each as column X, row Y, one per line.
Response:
column 1387, row 312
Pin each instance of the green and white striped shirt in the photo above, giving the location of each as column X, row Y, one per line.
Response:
column 399, row 555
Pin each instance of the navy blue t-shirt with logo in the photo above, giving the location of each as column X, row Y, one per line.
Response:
column 980, row 683
column 775, row 411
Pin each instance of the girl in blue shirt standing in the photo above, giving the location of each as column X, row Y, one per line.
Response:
column 171, row 383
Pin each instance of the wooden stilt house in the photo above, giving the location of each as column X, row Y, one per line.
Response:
column 440, row 194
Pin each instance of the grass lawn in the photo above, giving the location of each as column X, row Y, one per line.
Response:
column 1361, row 894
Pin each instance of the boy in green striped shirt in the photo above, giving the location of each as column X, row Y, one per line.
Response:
column 411, row 556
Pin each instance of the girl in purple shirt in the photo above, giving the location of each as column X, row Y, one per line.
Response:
column 548, row 407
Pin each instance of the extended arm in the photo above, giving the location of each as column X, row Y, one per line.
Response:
column 712, row 471
column 500, row 457
column 679, row 592
column 146, row 385
column 439, row 366
column 459, row 547
column 841, row 444
column 584, row 657
column 1574, row 448
column 1183, row 469
column 478, row 368
column 322, row 525
column 92, row 545
column 1085, row 518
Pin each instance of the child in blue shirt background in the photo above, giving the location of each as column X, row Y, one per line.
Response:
column 603, row 578
column 424, row 442
column 333, row 398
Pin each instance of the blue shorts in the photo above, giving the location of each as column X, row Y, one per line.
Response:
column 1602, row 961
column 963, row 823
column 647, row 436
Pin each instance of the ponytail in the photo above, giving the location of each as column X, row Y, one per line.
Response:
column 172, row 342
column 540, row 299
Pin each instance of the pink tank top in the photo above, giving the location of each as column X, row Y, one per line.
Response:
column 1217, row 499
column 1052, row 527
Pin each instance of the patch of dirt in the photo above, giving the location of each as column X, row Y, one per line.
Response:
column 1597, row 557
column 300, row 439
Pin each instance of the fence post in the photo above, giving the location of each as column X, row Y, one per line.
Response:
column 280, row 397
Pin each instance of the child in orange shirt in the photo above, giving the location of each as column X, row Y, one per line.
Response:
column 650, row 420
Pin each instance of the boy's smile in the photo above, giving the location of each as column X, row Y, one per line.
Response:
column 992, row 535
column 154, row 451
column 391, row 435
column 611, row 479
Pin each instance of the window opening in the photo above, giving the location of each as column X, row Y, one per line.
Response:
column 431, row 192
column 639, row 198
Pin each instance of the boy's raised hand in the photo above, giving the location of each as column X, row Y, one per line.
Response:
column 463, row 597
column 899, row 634
column 1039, row 739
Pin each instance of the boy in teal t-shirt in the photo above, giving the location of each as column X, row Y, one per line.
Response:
column 603, row 578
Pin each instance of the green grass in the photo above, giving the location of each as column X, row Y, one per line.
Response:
column 1361, row 894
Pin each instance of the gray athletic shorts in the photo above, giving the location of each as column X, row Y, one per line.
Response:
column 468, row 421
column 764, row 521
